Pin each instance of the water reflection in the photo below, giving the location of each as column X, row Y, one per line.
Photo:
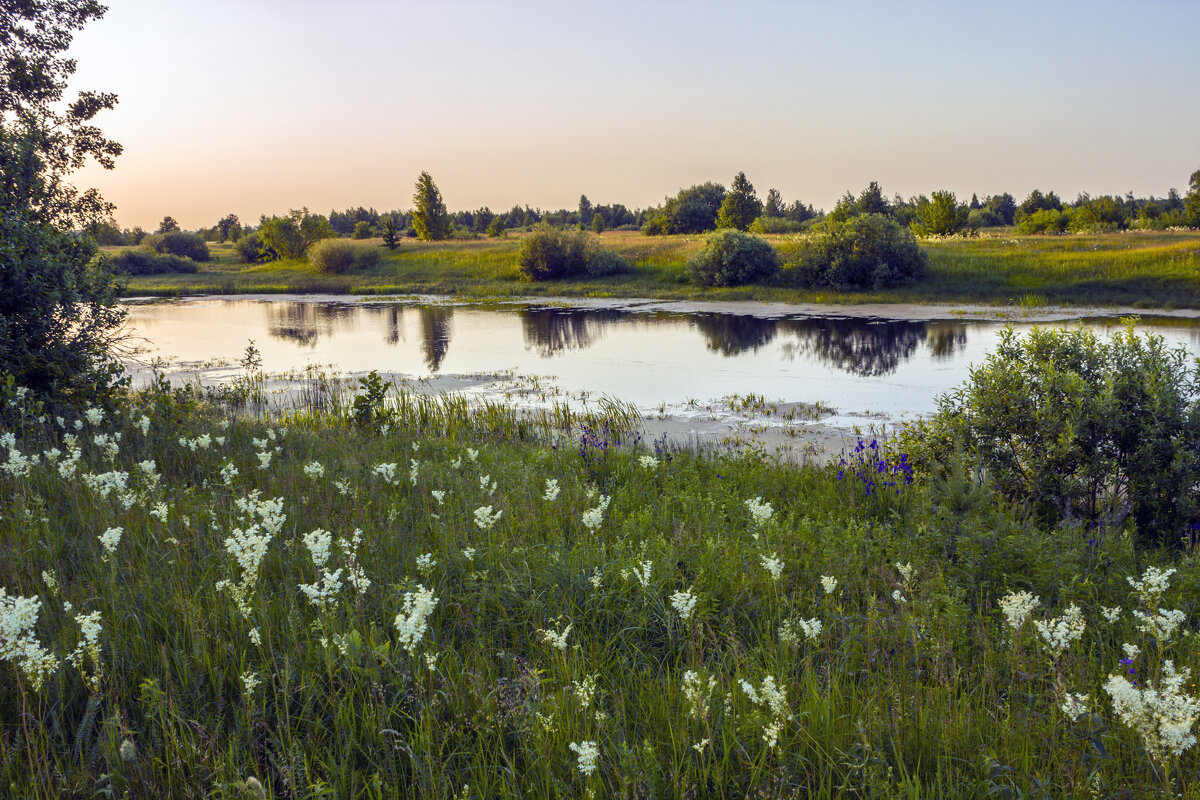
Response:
column 306, row 323
column 553, row 330
column 861, row 347
column 435, row 334
column 734, row 334
column 946, row 339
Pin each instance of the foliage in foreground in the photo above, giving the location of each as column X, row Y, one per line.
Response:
column 200, row 604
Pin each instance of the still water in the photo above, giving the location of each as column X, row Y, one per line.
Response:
column 863, row 367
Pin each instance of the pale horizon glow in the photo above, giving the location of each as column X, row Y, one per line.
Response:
column 258, row 107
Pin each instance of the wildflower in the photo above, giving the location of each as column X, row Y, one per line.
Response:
column 1111, row 614
column 596, row 578
column 89, row 646
column 412, row 621
column 386, row 471
column 585, row 691
column 697, row 693
column 812, row 628
column 314, row 470
column 160, row 512
column 700, row 745
column 472, row 454
column 1161, row 626
column 255, row 637
column 18, row 644
column 110, row 539
column 1017, row 606
column 456, row 463
column 829, row 584
column 642, row 573
column 684, row 603
column 556, row 639
column 898, row 597
column 772, row 564
column 485, row 517
column 587, row 754
column 906, row 572
column 484, row 481
column 1153, row 584
column 250, row 682
column 1163, row 717
column 107, row 483
column 229, row 471
column 1074, row 706
column 648, row 462
column 426, row 563
column 1059, row 632
column 593, row 517
column 94, row 415
column 439, row 496
column 414, row 470
column 469, row 553
column 760, row 510
column 1131, row 651
column 143, row 423
column 552, row 490
column 127, row 751
column 329, row 583
column 50, row 577
column 774, row 698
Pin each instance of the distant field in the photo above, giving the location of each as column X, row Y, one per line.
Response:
column 1152, row 270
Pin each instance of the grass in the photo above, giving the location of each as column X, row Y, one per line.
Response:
column 914, row 686
column 1147, row 269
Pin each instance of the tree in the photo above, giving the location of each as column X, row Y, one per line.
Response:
column 430, row 220
column 940, row 216
column 693, row 210
column 292, row 235
column 774, row 205
column 1191, row 204
column 741, row 205
column 871, row 200
column 228, row 228
column 168, row 225
column 390, row 228
column 598, row 222
column 585, row 210
column 59, row 311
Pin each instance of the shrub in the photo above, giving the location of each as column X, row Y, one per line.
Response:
column 366, row 257
column 550, row 254
column 363, row 230
column 1047, row 220
column 777, row 225
column 983, row 218
column 868, row 251
column 140, row 262
column 732, row 258
column 178, row 243
column 1081, row 428
column 250, row 248
column 332, row 255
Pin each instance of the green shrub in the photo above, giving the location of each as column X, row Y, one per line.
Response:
column 1081, row 428
column 983, row 218
column 1045, row 221
column 140, row 262
column 366, row 258
column 178, row 243
column 364, row 230
column 732, row 258
column 549, row 254
column 777, row 225
column 868, row 251
column 250, row 248
column 332, row 255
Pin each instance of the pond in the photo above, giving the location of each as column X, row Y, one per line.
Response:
column 667, row 362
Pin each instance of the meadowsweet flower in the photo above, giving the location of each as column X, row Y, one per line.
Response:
column 587, row 753
column 485, row 517
column 774, row 698
column 684, row 603
column 18, row 643
column 593, row 517
column 50, row 577
column 469, row 553
column 484, row 481
column 386, row 471
column 772, row 564
column 552, row 490
column 472, row 454
column 105, row 484
column 1162, row 625
column 1075, row 706
column 1132, row 651
column 760, row 510
column 1153, row 584
column 596, row 578
column 585, row 691
column 248, row 546
column 1058, row 633
column 431, row 662
column 829, row 584
column 143, row 424
column 697, row 692
column 556, row 639
column 127, row 750
column 812, row 628
column 642, row 573
column 160, row 512
column 94, row 415
column 700, row 745
column 907, row 571
column 414, row 471
column 1017, row 607
column 456, row 463
column 314, row 470
column 264, row 459
column 425, row 564
column 255, row 637
column 413, row 620
column 1163, row 717
column 1111, row 614
column 110, row 539
column 229, row 471
column 899, row 597
column 648, row 462
column 220, row 440
column 439, row 496
column 250, row 682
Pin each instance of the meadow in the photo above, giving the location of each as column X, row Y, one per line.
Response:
column 1144, row 269
column 389, row 598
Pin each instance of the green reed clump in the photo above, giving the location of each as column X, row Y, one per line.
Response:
column 220, row 605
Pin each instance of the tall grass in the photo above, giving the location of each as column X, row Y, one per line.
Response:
column 913, row 686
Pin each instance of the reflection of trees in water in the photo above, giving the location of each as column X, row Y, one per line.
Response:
column 553, row 330
column 435, row 333
column 733, row 334
column 945, row 339
column 857, row 346
column 393, row 323
column 304, row 323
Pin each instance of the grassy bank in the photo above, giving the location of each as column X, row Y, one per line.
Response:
column 453, row 608
column 1152, row 270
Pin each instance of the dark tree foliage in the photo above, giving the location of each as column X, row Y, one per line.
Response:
column 585, row 210
column 941, row 215
column 430, row 219
column 290, row 236
column 1003, row 206
column 168, row 225
column 733, row 258
column 741, row 205
column 869, row 251
column 59, row 315
column 1035, row 202
column 773, row 207
column 389, row 227
column 693, row 210
column 229, row 228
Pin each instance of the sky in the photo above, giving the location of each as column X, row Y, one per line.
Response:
column 259, row 106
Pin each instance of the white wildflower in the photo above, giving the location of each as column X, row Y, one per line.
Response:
column 1111, row 614
column 250, row 682
column 89, row 647
column 469, row 553
column 472, row 454
column 386, row 471
column 648, row 462
column 1163, row 717
column 829, row 584
column 552, row 490
column 772, row 564
column 760, row 510
column 354, row 572
column 18, row 643
column 1161, row 626
column 255, row 637
column 696, row 691
column 898, row 597
column 229, row 471
column 596, row 578
column 642, row 573
column 684, row 603
column 587, row 754
column 414, row 471
column 1017, row 607
column 110, row 539
column 160, row 512
column 314, row 470
column 1058, row 633
column 1132, row 651
column 556, row 639
column 907, row 571
column 485, row 517
column 412, row 621
column 425, row 564
column 1075, row 706
column 439, row 496
column 1153, row 584
column 593, row 517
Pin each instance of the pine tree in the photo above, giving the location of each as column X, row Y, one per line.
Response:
column 740, row 206
column 390, row 230
column 585, row 209
column 430, row 220
column 774, row 205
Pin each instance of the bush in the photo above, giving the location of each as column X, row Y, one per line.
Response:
column 549, row 254
column 178, row 243
column 1045, row 221
column 1082, row 429
column 140, row 262
column 332, row 255
column 250, row 249
column 983, row 218
column 732, row 258
column 366, row 257
column 868, row 251
column 777, row 225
